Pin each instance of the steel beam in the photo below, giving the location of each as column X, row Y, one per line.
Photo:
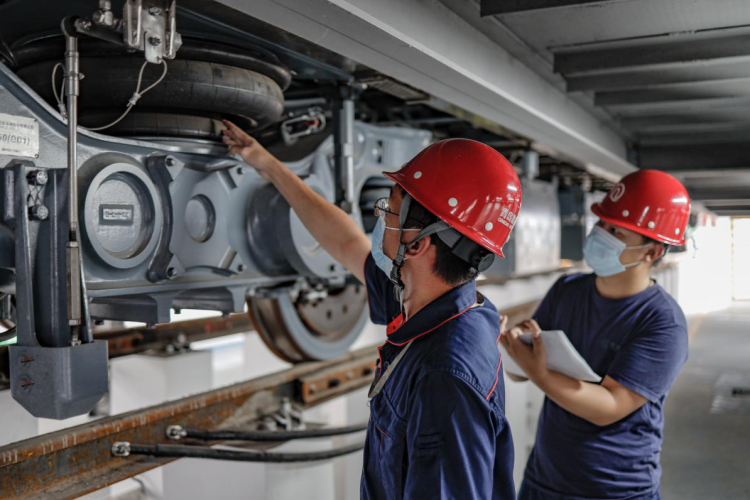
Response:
column 738, row 212
column 720, row 193
column 731, row 156
column 499, row 7
column 672, row 51
column 729, row 208
column 720, row 204
column 678, row 120
column 703, row 91
column 726, row 134
column 669, row 76
column 406, row 41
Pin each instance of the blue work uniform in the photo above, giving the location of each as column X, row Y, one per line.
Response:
column 437, row 429
column 641, row 342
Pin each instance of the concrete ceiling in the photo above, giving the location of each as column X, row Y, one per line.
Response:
column 672, row 75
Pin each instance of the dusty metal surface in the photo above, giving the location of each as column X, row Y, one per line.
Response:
column 78, row 460
column 135, row 340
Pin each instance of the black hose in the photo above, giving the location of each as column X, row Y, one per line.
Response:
column 184, row 451
column 231, row 435
column 8, row 334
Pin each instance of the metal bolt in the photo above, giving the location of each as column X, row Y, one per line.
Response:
column 176, row 432
column 240, row 170
column 85, row 25
column 171, row 273
column 311, row 388
column 169, row 161
column 154, row 40
column 38, row 177
column 121, row 449
column 39, row 212
column 154, row 11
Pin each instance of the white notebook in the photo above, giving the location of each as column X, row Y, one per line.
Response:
column 562, row 357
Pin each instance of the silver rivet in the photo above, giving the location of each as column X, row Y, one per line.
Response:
column 488, row 226
column 453, row 202
column 677, row 230
column 625, row 213
column 417, row 175
column 651, row 225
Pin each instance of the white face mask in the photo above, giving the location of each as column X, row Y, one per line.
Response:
column 381, row 259
column 602, row 253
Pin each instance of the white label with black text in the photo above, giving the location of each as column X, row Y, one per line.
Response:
column 19, row 136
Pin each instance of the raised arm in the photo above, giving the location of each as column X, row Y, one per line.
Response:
column 336, row 232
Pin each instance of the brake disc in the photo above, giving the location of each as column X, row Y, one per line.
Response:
column 299, row 330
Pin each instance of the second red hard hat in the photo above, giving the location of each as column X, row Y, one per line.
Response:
column 649, row 202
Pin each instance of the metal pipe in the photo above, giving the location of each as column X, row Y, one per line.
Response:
column 268, row 436
column 72, row 62
column 125, row 449
column 347, row 135
column 76, row 290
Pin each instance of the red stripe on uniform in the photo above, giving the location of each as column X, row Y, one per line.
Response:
column 497, row 372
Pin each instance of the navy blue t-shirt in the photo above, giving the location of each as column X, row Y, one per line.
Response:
column 438, row 429
column 641, row 342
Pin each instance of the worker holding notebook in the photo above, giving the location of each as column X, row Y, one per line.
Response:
column 603, row 440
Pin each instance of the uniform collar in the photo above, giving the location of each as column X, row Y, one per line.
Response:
column 441, row 310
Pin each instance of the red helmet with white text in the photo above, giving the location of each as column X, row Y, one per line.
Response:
column 649, row 202
column 467, row 184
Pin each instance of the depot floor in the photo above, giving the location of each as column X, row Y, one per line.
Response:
column 706, row 452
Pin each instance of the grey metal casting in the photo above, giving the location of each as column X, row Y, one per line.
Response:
column 163, row 226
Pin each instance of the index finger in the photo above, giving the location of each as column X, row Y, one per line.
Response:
column 503, row 322
column 234, row 128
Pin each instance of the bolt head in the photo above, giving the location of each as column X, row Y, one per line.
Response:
column 38, row 177
column 171, row 273
column 39, row 212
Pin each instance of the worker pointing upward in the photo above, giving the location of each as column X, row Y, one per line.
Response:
column 603, row 441
column 437, row 406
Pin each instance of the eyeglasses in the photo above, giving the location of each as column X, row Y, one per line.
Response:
column 382, row 207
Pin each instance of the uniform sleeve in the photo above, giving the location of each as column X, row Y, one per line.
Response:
column 650, row 362
column 450, row 441
column 379, row 292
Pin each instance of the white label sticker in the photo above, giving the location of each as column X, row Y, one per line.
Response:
column 19, row 136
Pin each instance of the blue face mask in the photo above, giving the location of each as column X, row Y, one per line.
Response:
column 381, row 259
column 602, row 253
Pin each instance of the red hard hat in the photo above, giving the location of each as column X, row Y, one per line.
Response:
column 467, row 184
column 649, row 202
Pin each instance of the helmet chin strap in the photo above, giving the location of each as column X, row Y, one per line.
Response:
column 398, row 262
